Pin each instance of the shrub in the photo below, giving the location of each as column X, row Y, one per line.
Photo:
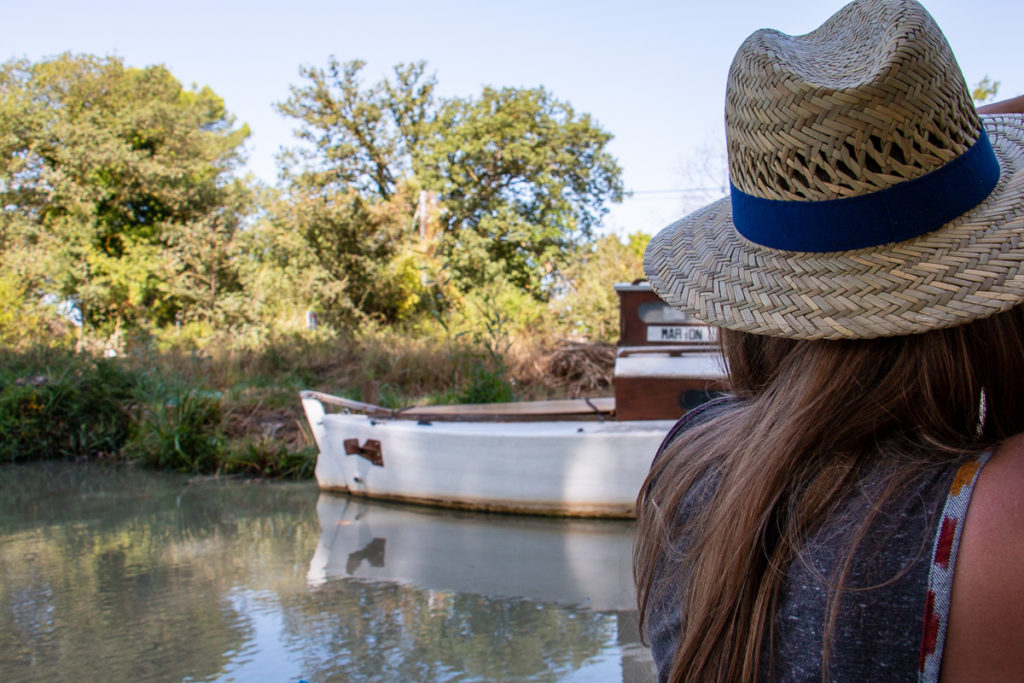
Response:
column 270, row 458
column 59, row 405
column 486, row 385
column 180, row 431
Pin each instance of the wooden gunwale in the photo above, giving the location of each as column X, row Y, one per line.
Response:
column 576, row 409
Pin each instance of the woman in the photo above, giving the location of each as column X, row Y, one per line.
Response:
column 865, row 273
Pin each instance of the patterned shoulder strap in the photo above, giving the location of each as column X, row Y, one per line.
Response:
column 940, row 573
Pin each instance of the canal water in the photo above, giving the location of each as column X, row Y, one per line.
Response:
column 109, row 573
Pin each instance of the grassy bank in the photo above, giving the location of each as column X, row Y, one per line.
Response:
column 229, row 410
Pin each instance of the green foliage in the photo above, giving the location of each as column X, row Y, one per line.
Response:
column 361, row 252
column 12, row 305
column 268, row 458
column 487, row 385
column 519, row 175
column 360, row 139
column 26, row 323
column 179, row 430
column 479, row 332
column 59, row 406
column 54, row 404
column 985, row 90
column 398, row 208
column 115, row 187
column 349, row 194
column 430, row 236
column 589, row 307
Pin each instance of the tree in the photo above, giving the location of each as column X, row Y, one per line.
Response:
column 349, row 192
column 359, row 139
column 113, row 180
column 520, row 177
column 523, row 179
column 358, row 250
column 985, row 90
column 588, row 306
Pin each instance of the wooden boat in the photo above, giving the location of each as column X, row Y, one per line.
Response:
column 575, row 457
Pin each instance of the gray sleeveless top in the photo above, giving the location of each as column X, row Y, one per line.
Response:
column 891, row 620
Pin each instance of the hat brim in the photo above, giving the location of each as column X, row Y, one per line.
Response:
column 970, row 268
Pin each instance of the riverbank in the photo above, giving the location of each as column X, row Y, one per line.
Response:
column 222, row 410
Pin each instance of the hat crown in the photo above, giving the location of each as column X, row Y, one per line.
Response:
column 872, row 98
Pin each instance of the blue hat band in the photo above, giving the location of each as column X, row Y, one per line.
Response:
column 906, row 210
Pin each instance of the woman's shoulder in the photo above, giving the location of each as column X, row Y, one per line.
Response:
column 985, row 638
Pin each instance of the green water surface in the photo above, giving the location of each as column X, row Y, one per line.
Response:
column 109, row 573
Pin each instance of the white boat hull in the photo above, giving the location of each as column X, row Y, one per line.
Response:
column 571, row 467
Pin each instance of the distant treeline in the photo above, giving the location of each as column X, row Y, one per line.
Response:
column 124, row 218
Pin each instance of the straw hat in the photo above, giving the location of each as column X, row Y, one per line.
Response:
column 868, row 197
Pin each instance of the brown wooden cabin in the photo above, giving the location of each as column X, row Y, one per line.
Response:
column 667, row 363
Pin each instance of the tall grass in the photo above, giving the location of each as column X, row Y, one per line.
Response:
column 177, row 428
column 231, row 409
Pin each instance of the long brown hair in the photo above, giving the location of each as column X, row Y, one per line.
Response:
column 812, row 416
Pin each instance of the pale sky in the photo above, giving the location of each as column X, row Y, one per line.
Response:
column 651, row 73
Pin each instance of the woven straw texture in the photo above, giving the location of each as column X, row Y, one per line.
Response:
column 869, row 100
column 845, row 110
column 969, row 269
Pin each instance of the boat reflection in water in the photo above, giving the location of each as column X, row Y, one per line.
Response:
column 117, row 574
column 527, row 573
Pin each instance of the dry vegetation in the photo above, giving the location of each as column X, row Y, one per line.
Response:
column 260, row 388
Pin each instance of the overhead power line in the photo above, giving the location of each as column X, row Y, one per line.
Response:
column 680, row 190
